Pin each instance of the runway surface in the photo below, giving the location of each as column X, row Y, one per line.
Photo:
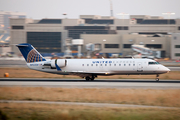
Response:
column 99, row 83
column 174, row 68
column 87, row 104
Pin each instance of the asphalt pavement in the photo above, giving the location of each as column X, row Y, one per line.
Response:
column 99, row 83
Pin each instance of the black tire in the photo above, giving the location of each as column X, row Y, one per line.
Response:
column 157, row 79
column 87, row 78
column 92, row 78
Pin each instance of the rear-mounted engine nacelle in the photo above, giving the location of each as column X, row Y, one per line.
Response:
column 59, row 62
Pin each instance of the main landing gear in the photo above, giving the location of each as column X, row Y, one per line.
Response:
column 88, row 78
column 157, row 77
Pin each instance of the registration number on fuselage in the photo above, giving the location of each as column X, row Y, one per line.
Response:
column 35, row 64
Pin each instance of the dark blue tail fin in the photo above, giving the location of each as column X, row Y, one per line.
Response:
column 30, row 53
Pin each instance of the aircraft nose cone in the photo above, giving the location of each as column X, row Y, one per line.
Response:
column 167, row 69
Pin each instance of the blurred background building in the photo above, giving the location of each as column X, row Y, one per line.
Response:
column 109, row 35
column 5, row 29
column 5, row 17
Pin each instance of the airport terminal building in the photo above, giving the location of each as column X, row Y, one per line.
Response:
column 114, row 36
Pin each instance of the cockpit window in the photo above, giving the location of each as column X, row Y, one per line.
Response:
column 157, row 63
column 153, row 63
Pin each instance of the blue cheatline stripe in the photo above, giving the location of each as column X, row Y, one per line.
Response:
column 57, row 67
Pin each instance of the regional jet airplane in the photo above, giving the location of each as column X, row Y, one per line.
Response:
column 90, row 68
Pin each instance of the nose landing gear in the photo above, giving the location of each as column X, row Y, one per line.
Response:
column 157, row 77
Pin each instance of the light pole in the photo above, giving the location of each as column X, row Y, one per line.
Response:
column 168, row 14
column 63, row 35
column 64, row 15
column 111, row 8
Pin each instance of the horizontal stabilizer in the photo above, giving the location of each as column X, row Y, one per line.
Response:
column 22, row 45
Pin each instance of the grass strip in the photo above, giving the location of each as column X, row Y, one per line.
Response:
column 152, row 97
column 15, row 111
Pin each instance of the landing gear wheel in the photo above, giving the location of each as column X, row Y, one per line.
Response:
column 88, row 78
column 157, row 79
column 92, row 78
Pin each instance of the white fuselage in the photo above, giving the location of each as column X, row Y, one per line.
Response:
column 103, row 66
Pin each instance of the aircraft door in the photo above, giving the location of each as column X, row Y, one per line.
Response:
column 139, row 67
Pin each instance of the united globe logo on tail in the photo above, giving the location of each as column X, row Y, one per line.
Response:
column 33, row 56
column 30, row 53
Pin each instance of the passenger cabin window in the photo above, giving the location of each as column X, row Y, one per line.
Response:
column 91, row 64
column 87, row 64
column 82, row 64
column 153, row 63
